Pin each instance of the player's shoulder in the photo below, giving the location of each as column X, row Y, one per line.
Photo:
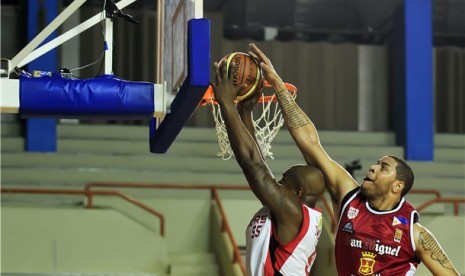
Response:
column 346, row 185
column 418, row 228
column 312, row 210
column 351, row 194
column 407, row 204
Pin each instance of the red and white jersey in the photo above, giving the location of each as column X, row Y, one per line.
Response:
column 266, row 256
column 371, row 242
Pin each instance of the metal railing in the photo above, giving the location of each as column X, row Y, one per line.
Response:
column 213, row 188
column 455, row 201
column 89, row 193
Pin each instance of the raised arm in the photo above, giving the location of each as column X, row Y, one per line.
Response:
column 245, row 108
column 339, row 181
column 430, row 252
column 284, row 204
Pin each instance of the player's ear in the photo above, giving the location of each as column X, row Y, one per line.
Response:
column 299, row 192
column 398, row 186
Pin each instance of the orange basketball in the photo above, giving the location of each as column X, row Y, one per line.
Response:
column 245, row 70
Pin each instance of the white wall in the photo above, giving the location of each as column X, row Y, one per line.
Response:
column 45, row 240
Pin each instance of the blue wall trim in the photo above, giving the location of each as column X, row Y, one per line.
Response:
column 413, row 104
column 41, row 133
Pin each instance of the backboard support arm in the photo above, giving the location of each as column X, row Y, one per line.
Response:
column 30, row 53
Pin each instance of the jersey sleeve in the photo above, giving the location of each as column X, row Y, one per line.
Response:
column 346, row 197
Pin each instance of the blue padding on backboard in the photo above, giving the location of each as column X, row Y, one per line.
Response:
column 192, row 90
column 199, row 49
column 105, row 96
column 162, row 137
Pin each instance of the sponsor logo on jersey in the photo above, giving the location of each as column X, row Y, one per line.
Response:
column 398, row 235
column 373, row 245
column 348, row 228
column 367, row 262
column 399, row 220
column 352, row 213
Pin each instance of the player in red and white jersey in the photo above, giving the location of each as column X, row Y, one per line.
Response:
column 284, row 234
column 267, row 256
column 377, row 221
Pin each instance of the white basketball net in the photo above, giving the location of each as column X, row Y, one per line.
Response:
column 266, row 127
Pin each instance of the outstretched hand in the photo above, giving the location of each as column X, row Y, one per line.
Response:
column 269, row 73
column 223, row 87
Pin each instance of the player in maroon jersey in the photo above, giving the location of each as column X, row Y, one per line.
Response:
column 378, row 231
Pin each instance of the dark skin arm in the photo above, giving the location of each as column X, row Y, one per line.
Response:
column 430, row 252
column 338, row 181
column 245, row 108
column 282, row 202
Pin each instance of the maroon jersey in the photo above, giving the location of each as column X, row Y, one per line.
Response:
column 371, row 242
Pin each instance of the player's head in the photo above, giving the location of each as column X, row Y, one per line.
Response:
column 389, row 176
column 305, row 181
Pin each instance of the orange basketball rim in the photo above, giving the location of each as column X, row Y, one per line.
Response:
column 209, row 96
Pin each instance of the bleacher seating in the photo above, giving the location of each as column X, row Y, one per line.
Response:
column 120, row 153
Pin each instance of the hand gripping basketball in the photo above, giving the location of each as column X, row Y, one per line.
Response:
column 244, row 70
column 268, row 71
column 224, row 89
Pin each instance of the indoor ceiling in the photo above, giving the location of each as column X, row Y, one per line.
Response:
column 361, row 21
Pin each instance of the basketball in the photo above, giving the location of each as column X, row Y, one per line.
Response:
column 245, row 70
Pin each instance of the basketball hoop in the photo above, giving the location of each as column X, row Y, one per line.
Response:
column 266, row 126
